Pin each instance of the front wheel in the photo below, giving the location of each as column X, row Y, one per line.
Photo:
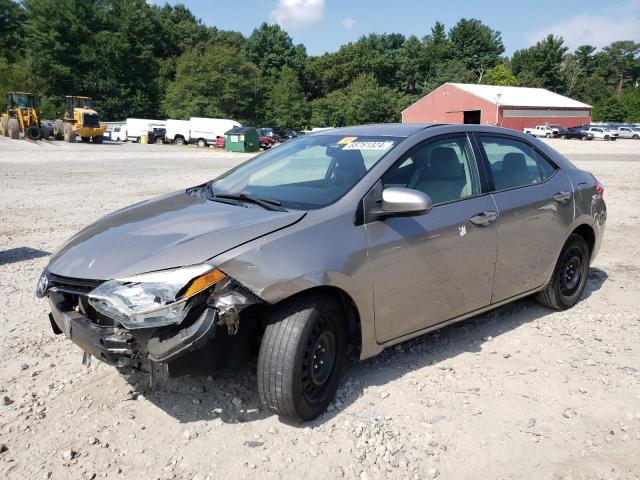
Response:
column 202, row 143
column 563, row 137
column 301, row 356
column 569, row 276
column 159, row 140
column 179, row 141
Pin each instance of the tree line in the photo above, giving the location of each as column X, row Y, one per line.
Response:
column 138, row 59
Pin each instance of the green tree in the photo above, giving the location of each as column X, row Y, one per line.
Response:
column 621, row 58
column 500, row 75
column 363, row 101
column 12, row 18
column 211, row 81
column 541, row 64
column 286, row 103
column 411, row 65
column 476, row 45
column 610, row 109
column 271, row 48
column 631, row 100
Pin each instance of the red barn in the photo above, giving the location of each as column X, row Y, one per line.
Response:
column 511, row 107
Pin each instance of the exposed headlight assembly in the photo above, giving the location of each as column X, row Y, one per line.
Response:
column 153, row 299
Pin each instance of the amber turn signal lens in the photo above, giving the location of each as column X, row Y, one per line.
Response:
column 202, row 282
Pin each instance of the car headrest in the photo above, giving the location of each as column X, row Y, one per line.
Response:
column 514, row 163
column 445, row 165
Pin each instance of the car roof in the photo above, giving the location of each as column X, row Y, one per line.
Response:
column 378, row 130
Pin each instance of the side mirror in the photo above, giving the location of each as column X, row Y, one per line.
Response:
column 398, row 201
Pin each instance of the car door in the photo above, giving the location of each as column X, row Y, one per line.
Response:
column 430, row 268
column 534, row 199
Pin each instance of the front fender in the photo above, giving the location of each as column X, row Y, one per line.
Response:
column 315, row 252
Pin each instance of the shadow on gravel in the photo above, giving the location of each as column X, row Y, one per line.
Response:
column 21, row 254
column 230, row 394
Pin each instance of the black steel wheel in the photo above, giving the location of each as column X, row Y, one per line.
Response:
column 301, row 356
column 569, row 276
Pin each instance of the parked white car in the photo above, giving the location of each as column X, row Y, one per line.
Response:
column 542, row 131
column 629, row 132
column 136, row 127
column 178, row 131
column 205, row 131
column 603, row 133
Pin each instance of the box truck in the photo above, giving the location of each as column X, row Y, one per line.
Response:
column 136, row 127
column 205, row 131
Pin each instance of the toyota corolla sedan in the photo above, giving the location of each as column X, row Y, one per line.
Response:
column 364, row 236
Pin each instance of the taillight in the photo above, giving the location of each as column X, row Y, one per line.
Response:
column 599, row 188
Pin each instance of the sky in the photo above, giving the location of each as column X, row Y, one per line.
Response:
column 323, row 25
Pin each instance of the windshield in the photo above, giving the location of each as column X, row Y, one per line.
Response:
column 306, row 173
column 22, row 100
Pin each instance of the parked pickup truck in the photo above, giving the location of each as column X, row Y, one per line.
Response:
column 542, row 131
column 629, row 132
column 603, row 133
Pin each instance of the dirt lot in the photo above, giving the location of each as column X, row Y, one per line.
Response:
column 521, row 392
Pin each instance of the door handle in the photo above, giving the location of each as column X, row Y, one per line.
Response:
column 562, row 197
column 484, row 218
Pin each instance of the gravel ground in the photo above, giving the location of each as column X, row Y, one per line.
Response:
column 521, row 392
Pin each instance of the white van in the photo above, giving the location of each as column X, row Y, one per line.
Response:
column 178, row 131
column 204, row 131
column 136, row 127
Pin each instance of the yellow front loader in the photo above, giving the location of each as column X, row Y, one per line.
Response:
column 79, row 120
column 22, row 117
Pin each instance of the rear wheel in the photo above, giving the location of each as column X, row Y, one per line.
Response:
column 636, row 137
column 33, row 133
column 159, row 141
column 301, row 356
column 58, row 130
column 13, row 128
column 179, row 141
column 69, row 134
column 569, row 276
column 202, row 143
column 563, row 137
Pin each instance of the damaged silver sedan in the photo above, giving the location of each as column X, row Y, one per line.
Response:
column 363, row 236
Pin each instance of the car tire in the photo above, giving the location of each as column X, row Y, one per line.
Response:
column 179, row 141
column 547, row 135
column 636, row 137
column 97, row 140
column 45, row 133
column 563, row 137
column 569, row 275
column 159, row 141
column 607, row 138
column 613, row 139
column 301, row 357
column 13, row 127
column 202, row 143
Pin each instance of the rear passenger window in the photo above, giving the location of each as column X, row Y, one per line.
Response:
column 514, row 163
column 445, row 170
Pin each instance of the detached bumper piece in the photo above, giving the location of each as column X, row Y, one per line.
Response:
column 114, row 346
column 162, row 348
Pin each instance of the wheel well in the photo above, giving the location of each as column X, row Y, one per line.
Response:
column 586, row 232
column 349, row 308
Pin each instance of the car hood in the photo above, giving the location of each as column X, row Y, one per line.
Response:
column 166, row 232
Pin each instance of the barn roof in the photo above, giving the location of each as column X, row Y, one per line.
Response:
column 520, row 96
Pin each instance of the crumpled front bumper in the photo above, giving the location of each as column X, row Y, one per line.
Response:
column 120, row 347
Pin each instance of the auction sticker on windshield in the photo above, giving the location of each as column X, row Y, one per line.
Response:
column 368, row 146
column 346, row 140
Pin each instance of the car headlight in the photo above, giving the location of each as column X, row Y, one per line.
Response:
column 43, row 284
column 153, row 299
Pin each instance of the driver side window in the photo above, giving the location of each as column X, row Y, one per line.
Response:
column 445, row 170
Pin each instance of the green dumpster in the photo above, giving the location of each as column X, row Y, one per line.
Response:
column 242, row 139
